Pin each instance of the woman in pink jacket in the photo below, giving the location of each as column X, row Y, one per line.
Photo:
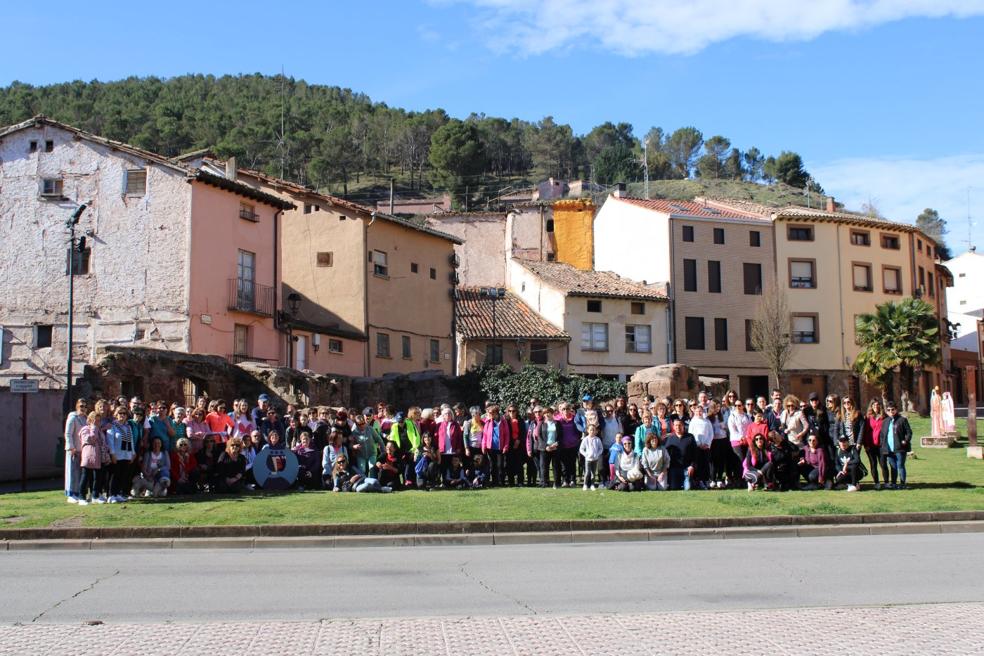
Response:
column 92, row 443
column 450, row 440
column 495, row 444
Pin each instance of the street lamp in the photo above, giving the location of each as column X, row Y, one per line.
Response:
column 495, row 293
column 72, row 247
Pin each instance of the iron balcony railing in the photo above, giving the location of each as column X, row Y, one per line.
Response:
column 248, row 296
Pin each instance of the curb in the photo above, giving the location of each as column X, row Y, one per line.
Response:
column 505, row 538
column 480, row 527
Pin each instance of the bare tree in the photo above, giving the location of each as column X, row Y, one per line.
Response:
column 770, row 332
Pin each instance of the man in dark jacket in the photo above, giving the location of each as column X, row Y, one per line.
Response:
column 895, row 443
column 682, row 449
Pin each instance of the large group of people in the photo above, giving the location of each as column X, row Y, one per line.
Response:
column 116, row 450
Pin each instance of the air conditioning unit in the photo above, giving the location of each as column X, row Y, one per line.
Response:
column 453, row 278
column 454, row 260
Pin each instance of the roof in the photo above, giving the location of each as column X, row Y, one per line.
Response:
column 335, row 201
column 690, row 209
column 192, row 173
column 805, row 213
column 575, row 282
column 513, row 318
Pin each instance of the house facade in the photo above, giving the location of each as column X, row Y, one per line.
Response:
column 174, row 257
column 616, row 326
column 717, row 264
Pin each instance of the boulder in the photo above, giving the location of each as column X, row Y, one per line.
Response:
column 673, row 380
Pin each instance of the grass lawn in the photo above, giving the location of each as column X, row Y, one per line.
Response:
column 940, row 479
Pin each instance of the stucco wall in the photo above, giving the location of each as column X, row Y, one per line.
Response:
column 516, row 355
column 632, row 241
column 406, row 303
column 573, row 220
column 526, row 233
column 349, row 362
column 483, row 255
column 218, row 234
column 138, row 266
column 967, row 293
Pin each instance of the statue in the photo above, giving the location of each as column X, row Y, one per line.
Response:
column 949, row 417
column 936, row 413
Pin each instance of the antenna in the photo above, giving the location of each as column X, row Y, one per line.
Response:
column 970, row 224
column 281, row 142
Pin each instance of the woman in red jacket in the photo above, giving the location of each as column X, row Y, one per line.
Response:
column 184, row 469
column 450, row 441
column 871, row 441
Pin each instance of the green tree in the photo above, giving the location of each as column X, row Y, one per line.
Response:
column 455, row 154
column 754, row 162
column 934, row 226
column 660, row 167
column 903, row 336
column 711, row 163
column 616, row 163
column 789, row 169
column 606, row 136
column 682, row 147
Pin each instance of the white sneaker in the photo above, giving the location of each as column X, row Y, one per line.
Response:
column 71, row 499
column 852, row 488
column 83, row 502
column 585, row 487
column 594, row 487
column 99, row 500
column 751, row 486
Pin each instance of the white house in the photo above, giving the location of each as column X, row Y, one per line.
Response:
column 965, row 300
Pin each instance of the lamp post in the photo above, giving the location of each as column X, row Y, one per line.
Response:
column 495, row 293
column 293, row 304
column 72, row 246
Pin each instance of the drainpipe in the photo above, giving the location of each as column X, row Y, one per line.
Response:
column 671, row 305
column 276, row 272
column 365, row 294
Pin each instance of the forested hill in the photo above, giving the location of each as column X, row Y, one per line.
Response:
column 335, row 138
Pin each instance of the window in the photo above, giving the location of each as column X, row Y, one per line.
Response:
column 52, row 187
column 551, row 257
column 805, row 329
column 382, row 345
column 80, row 265
column 380, row 264
column 749, row 328
column 493, row 353
column 922, row 279
column 139, row 334
column 42, row 336
column 638, row 307
column 862, row 277
column 248, row 212
column 433, row 273
column 413, row 267
column 594, row 306
column 799, row 233
column 435, row 351
column 49, row 146
column 240, row 342
column 693, row 328
column 802, row 274
column 690, row 275
column 861, row 238
column 720, row 334
column 135, row 182
column 919, row 245
column 755, row 238
column 929, row 285
column 326, row 258
column 892, row 280
column 718, row 235
column 638, row 339
column 688, row 233
column 307, row 208
column 890, row 242
column 550, row 225
column 594, row 336
column 752, row 273
column 539, row 353
column 32, row 147
column 714, row 276
column 335, row 346
column 405, row 345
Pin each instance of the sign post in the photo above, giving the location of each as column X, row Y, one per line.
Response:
column 23, row 387
column 973, row 450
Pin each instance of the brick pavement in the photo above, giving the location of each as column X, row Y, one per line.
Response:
column 918, row 629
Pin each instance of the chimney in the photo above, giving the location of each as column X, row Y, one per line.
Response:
column 619, row 190
column 231, row 168
column 831, row 205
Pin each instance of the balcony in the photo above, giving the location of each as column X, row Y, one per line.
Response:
column 248, row 296
column 237, row 358
column 248, row 214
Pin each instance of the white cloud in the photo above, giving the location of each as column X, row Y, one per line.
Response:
column 902, row 187
column 636, row 27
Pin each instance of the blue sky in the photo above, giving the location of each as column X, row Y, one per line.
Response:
column 881, row 97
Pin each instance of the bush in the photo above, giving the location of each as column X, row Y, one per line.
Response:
column 500, row 384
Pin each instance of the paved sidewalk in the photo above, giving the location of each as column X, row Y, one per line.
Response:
column 920, row 629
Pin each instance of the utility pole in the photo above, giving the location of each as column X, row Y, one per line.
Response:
column 391, row 196
column 645, row 163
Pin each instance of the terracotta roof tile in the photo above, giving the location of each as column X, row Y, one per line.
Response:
column 513, row 318
column 591, row 283
column 686, row 208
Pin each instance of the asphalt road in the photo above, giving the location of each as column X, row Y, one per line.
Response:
column 309, row 584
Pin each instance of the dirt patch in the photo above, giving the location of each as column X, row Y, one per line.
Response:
column 68, row 522
column 14, row 519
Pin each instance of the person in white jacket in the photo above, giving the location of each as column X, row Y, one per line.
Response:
column 703, row 432
column 73, row 449
column 591, row 448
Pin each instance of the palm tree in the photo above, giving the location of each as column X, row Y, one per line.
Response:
column 899, row 336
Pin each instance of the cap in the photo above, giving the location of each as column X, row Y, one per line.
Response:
column 367, row 411
column 814, row 396
column 263, row 397
column 843, row 438
column 399, row 416
column 587, row 397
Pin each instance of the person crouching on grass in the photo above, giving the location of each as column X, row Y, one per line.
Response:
column 154, row 478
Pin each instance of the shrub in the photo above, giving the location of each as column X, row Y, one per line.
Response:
column 501, row 384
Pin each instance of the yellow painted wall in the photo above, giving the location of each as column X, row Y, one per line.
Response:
column 573, row 221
